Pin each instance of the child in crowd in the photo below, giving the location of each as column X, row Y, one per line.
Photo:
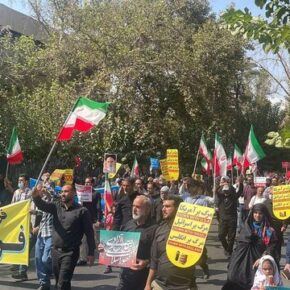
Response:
column 108, row 227
column 267, row 274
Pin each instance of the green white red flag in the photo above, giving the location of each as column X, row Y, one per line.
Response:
column 206, row 166
column 203, row 150
column 135, row 169
column 238, row 158
column 14, row 153
column 220, row 158
column 108, row 197
column 229, row 163
column 254, row 151
column 83, row 117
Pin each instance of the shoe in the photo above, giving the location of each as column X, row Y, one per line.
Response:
column 20, row 276
column 43, row 287
column 206, row 273
column 227, row 254
column 81, row 263
column 108, row 270
column 14, row 268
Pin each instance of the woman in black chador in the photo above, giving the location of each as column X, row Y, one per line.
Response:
column 256, row 239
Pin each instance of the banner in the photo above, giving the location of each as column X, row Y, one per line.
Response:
column 172, row 164
column 14, row 233
column 84, row 192
column 120, row 248
column 188, row 234
column 62, row 174
column 281, row 201
column 154, row 163
column 118, row 166
column 285, row 164
column 164, row 169
column 260, row 181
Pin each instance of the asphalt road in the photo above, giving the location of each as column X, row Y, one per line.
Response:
column 93, row 278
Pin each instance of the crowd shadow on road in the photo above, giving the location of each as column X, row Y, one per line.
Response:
column 91, row 277
column 13, row 284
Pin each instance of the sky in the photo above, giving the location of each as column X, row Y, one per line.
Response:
column 217, row 5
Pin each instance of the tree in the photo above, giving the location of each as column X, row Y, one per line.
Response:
column 167, row 67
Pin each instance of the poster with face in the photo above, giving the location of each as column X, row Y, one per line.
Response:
column 110, row 161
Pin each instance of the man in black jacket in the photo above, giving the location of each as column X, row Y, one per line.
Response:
column 95, row 210
column 70, row 222
column 227, row 201
column 124, row 204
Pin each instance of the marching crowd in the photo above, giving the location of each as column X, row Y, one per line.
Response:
column 65, row 233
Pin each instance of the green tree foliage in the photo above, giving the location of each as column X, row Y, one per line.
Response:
column 273, row 33
column 169, row 70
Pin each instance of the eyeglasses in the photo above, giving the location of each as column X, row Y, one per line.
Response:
column 65, row 191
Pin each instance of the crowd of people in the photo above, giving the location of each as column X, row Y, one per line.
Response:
column 65, row 233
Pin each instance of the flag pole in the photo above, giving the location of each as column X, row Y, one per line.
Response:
column 53, row 146
column 195, row 164
column 214, row 173
column 7, row 169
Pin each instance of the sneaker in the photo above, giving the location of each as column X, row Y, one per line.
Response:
column 81, row 263
column 43, row 287
column 108, row 270
column 20, row 276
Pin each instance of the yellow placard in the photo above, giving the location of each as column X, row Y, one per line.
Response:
column 14, row 233
column 188, row 234
column 68, row 176
column 164, row 169
column 58, row 174
column 281, row 201
column 112, row 175
column 172, row 164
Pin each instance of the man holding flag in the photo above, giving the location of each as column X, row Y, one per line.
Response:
column 70, row 222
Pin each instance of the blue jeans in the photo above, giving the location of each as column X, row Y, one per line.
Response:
column 43, row 260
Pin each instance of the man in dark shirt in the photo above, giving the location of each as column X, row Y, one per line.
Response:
column 134, row 278
column 124, row 204
column 227, row 202
column 158, row 205
column 167, row 276
column 70, row 222
column 95, row 210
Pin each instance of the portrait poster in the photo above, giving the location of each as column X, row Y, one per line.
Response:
column 120, row 248
column 110, row 161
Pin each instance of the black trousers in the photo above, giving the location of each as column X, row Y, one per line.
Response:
column 132, row 280
column 63, row 265
column 227, row 233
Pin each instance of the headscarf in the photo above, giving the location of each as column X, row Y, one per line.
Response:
column 260, row 277
column 264, row 229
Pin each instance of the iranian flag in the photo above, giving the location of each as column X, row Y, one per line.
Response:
column 254, row 151
column 83, row 117
column 108, row 198
column 135, row 169
column 238, row 158
column 203, row 150
column 14, row 153
column 206, row 166
column 220, row 158
column 229, row 163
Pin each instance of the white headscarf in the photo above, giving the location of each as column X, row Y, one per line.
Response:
column 260, row 277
